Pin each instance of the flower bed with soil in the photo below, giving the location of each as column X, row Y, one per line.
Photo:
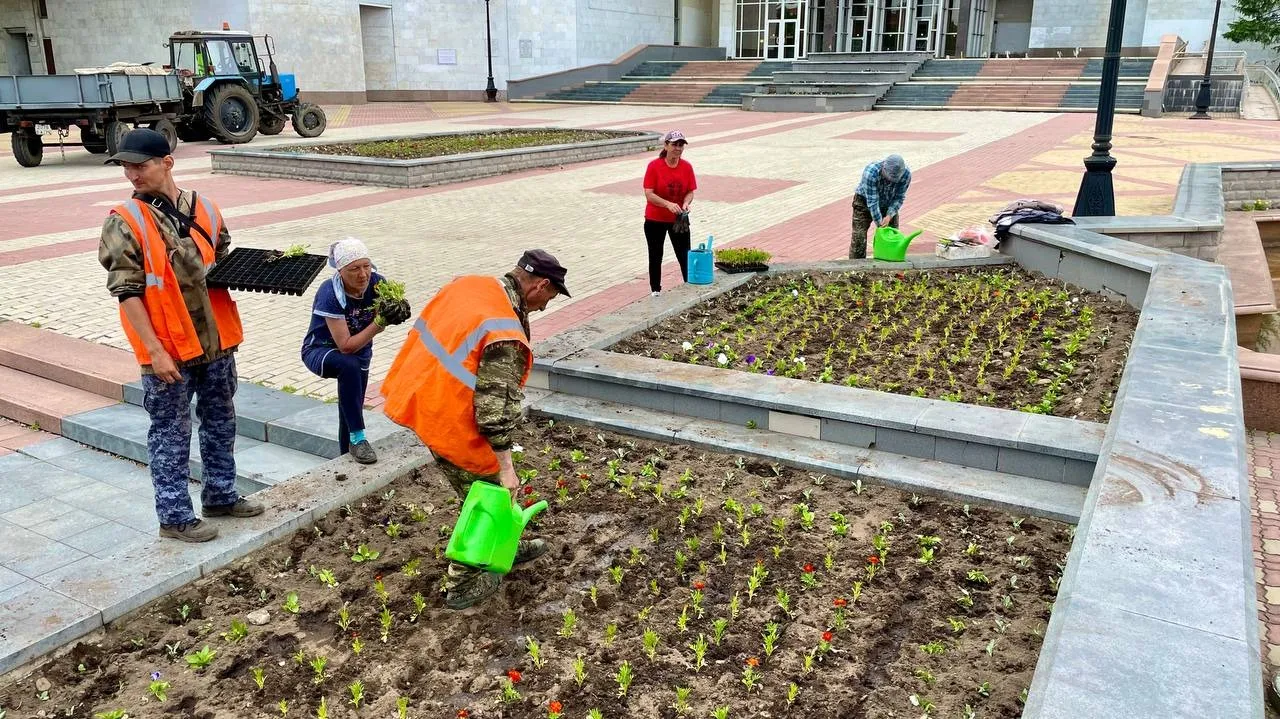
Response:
column 994, row 337
column 416, row 148
column 680, row 583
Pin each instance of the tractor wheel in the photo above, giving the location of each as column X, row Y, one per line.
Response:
column 271, row 124
column 28, row 149
column 193, row 131
column 309, row 120
column 115, row 132
column 92, row 141
column 170, row 132
column 232, row 114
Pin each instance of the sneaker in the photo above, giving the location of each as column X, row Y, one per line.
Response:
column 529, row 550
column 363, row 453
column 242, row 508
column 655, row 293
column 468, row 595
column 194, row 532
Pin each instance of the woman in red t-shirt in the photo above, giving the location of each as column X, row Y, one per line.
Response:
column 668, row 187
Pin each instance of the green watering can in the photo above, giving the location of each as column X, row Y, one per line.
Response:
column 891, row 245
column 489, row 528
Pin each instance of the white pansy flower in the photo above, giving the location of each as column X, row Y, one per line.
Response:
column 722, row 359
column 686, row 346
column 517, row 448
column 795, row 293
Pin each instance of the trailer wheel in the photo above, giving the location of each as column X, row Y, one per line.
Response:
column 166, row 128
column 115, row 132
column 231, row 113
column 271, row 124
column 28, row 149
column 309, row 120
column 193, row 131
column 92, row 141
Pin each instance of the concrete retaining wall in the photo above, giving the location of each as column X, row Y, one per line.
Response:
column 279, row 162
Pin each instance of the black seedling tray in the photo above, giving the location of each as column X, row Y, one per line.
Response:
column 254, row 270
column 735, row 269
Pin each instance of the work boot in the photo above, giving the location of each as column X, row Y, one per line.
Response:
column 242, row 508
column 471, row 593
column 363, row 453
column 529, row 550
column 194, row 532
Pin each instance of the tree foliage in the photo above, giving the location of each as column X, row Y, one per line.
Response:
column 1258, row 21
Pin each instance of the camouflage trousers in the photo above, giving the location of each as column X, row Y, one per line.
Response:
column 460, row 575
column 862, row 224
column 169, row 439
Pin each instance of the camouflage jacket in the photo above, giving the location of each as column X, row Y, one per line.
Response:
column 499, row 380
column 121, row 254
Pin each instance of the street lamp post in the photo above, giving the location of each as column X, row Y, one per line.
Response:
column 490, row 90
column 1097, row 192
column 1203, row 97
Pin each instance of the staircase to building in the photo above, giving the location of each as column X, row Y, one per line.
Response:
column 834, row 82
column 1035, row 84
column 706, row 83
column 92, row 394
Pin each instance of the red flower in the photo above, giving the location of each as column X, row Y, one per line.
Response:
column 377, row 577
column 463, row 714
column 873, row 559
column 826, row 637
column 753, row 662
column 841, row 602
column 562, row 483
column 528, row 503
column 528, row 489
column 699, row 585
column 554, row 706
column 808, row 569
column 583, row 475
column 900, row 275
column 514, row 676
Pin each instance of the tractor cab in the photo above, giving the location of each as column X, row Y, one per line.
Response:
column 202, row 57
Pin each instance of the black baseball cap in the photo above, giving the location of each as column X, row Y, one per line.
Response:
column 140, row 145
column 544, row 264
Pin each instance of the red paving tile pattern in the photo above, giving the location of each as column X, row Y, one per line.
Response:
column 1032, row 67
column 1264, row 493
column 712, row 188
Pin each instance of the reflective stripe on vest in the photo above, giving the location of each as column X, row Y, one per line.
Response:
column 214, row 220
column 453, row 362
column 153, row 280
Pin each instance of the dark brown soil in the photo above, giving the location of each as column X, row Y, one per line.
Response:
column 444, row 661
column 437, row 146
column 1000, row 338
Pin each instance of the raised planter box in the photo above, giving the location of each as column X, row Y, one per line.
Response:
column 280, row 162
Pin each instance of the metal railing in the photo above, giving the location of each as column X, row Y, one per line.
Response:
column 1260, row 73
column 1225, row 62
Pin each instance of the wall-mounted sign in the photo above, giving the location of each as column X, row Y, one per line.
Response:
column 446, row 57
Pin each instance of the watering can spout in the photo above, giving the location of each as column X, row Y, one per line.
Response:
column 529, row 513
column 914, row 235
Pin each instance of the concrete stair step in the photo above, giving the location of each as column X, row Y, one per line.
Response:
column 1054, row 500
column 766, row 102
column 28, row 399
column 121, row 429
column 74, row 362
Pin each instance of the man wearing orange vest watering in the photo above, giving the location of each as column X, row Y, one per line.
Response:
column 458, row 383
column 157, row 248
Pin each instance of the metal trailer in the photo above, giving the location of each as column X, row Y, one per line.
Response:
column 103, row 105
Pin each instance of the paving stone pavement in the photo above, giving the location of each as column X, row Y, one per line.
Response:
column 782, row 182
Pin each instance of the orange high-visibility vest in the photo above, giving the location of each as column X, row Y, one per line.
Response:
column 163, row 297
column 432, row 383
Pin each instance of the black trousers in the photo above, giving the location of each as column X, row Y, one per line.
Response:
column 655, row 234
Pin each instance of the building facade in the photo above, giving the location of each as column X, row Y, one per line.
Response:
column 358, row 50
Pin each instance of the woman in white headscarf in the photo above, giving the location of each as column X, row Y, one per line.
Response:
column 339, row 342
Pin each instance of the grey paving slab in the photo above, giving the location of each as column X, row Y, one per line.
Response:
column 256, row 406
column 118, row 584
column 10, row 579
column 1101, row 661
column 632, row 420
column 851, row 433
column 315, row 430
column 17, row 543
column 107, row 537
column 16, row 492
column 1189, row 379
column 134, row 393
column 271, row 463
column 49, row 449
column 72, row 522
column 898, row 441
column 1062, row 437
column 37, row 512
column 1163, row 556
column 120, row 429
column 1185, row 332
column 51, row 480
column 1031, row 464
column 999, row 427
column 97, row 464
column 742, row 414
column 39, row 620
column 46, row 559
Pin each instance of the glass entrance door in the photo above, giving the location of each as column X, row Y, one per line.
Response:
column 786, row 30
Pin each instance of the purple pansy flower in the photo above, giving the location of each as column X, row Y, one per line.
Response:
column 751, row 359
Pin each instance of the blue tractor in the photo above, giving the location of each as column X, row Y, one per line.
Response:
column 229, row 95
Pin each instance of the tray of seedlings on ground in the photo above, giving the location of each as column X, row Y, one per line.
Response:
column 680, row 583
column 744, row 259
column 250, row 269
column 991, row 336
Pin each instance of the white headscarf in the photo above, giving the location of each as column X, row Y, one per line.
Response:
column 345, row 251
